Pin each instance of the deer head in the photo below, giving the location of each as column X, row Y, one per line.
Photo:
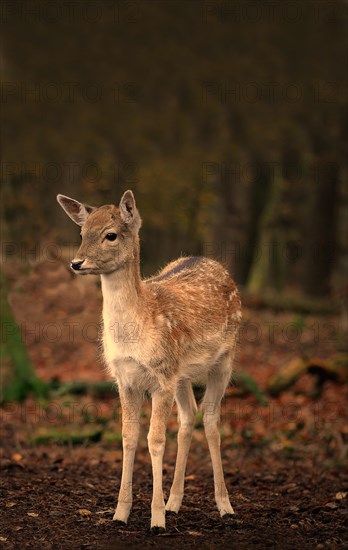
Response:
column 109, row 234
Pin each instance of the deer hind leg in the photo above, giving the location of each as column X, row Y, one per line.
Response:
column 186, row 416
column 131, row 404
column 211, row 408
column 162, row 402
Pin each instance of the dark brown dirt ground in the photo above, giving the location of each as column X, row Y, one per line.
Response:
column 279, row 505
column 64, row 497
column 287, row 506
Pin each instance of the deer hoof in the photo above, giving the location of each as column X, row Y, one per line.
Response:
column 157, row 530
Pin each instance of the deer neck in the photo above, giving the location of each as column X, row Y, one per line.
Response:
column 123, row 292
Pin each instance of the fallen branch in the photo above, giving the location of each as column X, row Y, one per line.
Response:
column 335, row 368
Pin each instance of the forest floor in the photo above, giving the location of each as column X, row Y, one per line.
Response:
column 284, row 458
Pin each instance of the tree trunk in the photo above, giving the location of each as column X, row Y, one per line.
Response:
column 267, row 270
column 321, row 231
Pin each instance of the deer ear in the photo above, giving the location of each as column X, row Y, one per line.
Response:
column 77, row 211
column 128, row 209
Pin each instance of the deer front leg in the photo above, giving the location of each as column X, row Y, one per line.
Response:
column 131, row 403
column 162, row 403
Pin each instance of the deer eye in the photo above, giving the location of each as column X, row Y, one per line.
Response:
column 111, row 236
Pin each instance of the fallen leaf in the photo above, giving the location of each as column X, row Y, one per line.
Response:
column 16, row 457
column 240, row 496
column 84, row 512
column 108, row 511
column 101, row 521
column 33, row 514
column 340, row 496
column 11, row 504
column 294, row 508
column 3, row 539
column 331, row 505
column 194, row 533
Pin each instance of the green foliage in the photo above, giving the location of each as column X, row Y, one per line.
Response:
column 80, row 387
column 249, row 385
column 21, row 380
column 299, row 322
column 65, row 437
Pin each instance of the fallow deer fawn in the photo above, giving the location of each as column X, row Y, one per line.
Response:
column 184, row 323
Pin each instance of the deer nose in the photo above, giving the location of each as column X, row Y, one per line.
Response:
column 76, row 264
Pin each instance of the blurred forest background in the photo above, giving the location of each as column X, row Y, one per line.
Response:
column 227, row 119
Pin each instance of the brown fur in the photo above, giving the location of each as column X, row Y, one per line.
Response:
column 160, row 334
